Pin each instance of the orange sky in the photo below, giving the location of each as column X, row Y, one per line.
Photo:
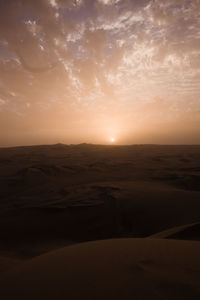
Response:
column 76, row 71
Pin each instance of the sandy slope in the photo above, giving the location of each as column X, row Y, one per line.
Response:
column 184, row 232
column 58, row 195
column 111, row 269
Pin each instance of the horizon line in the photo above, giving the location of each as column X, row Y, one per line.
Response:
column 96, row 144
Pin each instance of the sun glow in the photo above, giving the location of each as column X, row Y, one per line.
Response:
column 112, row 139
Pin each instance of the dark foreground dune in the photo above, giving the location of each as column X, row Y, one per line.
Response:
column 59, row 195
column 114, row 269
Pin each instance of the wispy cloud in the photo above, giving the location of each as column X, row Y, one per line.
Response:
column 90, row 53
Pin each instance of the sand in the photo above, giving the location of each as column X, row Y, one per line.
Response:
column 111, row 269
column 185, row 232
column 54, row 196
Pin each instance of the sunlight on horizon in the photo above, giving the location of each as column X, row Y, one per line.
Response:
column 112, row 139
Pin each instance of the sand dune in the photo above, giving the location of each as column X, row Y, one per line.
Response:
column 58, row 195
column 184, row 232
column 112, row 269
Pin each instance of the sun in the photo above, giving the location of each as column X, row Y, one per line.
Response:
column 112, row 139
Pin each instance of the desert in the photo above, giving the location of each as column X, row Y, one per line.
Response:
column 69, row 196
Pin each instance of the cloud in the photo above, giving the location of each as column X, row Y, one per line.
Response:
column 2, row 102
column 88, row 54
column 108, row 2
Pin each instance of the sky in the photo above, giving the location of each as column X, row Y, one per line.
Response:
column 99, row 71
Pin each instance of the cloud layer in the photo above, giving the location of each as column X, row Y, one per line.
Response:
column 86, row 69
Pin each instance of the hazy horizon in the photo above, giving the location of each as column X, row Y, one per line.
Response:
column 101, row 72
column 96, row 144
